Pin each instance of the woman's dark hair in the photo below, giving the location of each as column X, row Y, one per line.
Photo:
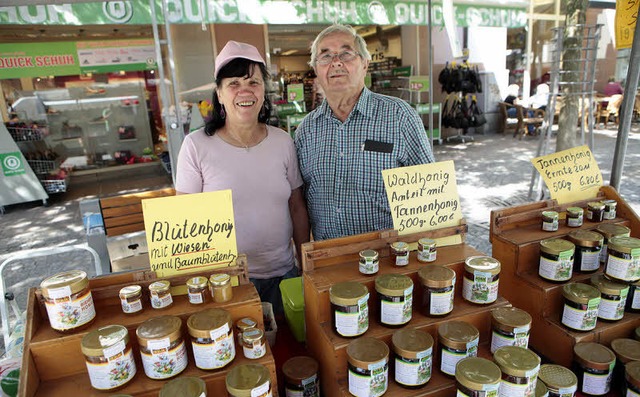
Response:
column 239, row 67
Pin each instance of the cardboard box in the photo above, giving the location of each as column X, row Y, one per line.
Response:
column 128, row 252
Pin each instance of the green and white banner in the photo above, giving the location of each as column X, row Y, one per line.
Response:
column 355, row 12
column 12, row 163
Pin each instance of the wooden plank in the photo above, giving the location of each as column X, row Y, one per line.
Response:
column 124, row 220
column 127, row 199
column 120, row 230
column 114, row 212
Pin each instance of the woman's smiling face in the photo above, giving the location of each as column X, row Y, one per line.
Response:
column 243, row 97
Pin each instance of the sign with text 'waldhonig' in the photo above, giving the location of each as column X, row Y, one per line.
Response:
column 190, row 233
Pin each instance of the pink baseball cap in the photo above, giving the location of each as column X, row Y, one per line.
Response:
column 233, row 50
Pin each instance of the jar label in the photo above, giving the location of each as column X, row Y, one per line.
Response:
column 623, row 268
column 519, row 338
column 441, row 302
column 368, row 266
column 159, row 302
column 115, row 350
column 557, row 270
column 262, row 390
column 635, row 303
column 508, row 389
column 116, row 372
column 450, row 359
column 220, row 352
column 220, row 332
column 59, row 293
column 258, row 350
column 196, row 298
column 609, row 213
column 582, row 320
column 164, row 363
column 310, row 388
column 428, row 254
column 402, row 260
column 590, row 260
column 574, row 222
column 158, row 344
column 596, row 385
column 603, row 254
column 550, row 226
column 413, row 372
column 131, row 307
column 69, row 314
column 480, row 289
column 395, row 313
column 567, row 391
column 352, row 324
column 613, row 309
column 372, row 385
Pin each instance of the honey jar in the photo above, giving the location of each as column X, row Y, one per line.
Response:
column 197, row 290
column 160, row 292
column 162, row 348
column 109, row 357
column 211, row 332
column 131, row 299
column 68, row 300
column 399, row 253
column 221, row 289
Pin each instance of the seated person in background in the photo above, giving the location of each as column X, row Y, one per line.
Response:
column 537, row 102
column 512, row 99
column 612, row 88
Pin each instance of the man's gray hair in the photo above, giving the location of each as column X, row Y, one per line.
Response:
column 361, row 45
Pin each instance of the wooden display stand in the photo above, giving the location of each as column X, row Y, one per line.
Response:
column 329, row 262
column 516, row 233
column 54, row 366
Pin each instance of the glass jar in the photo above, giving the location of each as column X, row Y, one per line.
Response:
column 613, row 297
column 560, row 381
column 187, row 386
column 427, row 250
column 131, row 299
column 510, row 327
column 160, row 292
column 595, row 211
column 609, row 209
column 221, row 289
column 456, row 340
column 574, row 216
column 244, row 324
column 399, row 253
column 580, row 310
column 197, row 290
column 413, row 351
column 395, row 299
column 438, row 289
column 626, row 350
column 519, row 367
column 68, row 300
column 556, row 259
column 549, row 221
column 477, row 377
column 593, row 365
column 368, row 364
column 480, row 281
column 633, row 299
column 349, row 304
column 249, row 380
column 541, row 390
column 211, row 332
column 254, row 343
column 369, row 262
column 162, row 348
column 632, row 378
column 608, row 231
column 301, row 377
column 588, row 245
column 623, row 259
column 109, row 357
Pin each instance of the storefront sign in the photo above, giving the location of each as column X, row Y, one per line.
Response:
column 115, row 55
column 355, row 12
column 626, row 17
column 189, row 233
column 295, row 92
column 12, row 164
column 570, row 175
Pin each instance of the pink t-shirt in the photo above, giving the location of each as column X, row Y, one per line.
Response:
column 261, row 179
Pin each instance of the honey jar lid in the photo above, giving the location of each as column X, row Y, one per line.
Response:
column 610, row 202
column 159, row 286
column 541, row 390
column 400, row 246
column 593, row 355
column 185, row 386
column 129, row 291
column 550, row 214
column 517, row 361
column 369, row 254
column 632, row 373
column 580, row 293
column 96, row 341
column 243, row 378
column 297, row 369
column 201, row 324
column 477, row 373
column 596, row 205
column 457, row 334
column 555, row 246
column 246, row 323
column 626, row 349
column 411, row 343
column 75, row 280
column 482, row 264
column 624, row 244
column 219, row 279
column 366, row 351
column 558, row 377
column 347, row 293
column 586, row 238
column 609, row 230
column 511, row 317
column 435, row 276
column 393, row 284
column 427, row 241
column 197, row 282
column 575, row 210
column 160, row 327
column 607, row 286
column 252, row 335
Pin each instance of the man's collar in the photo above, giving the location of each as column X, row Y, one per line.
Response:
column 362, row 106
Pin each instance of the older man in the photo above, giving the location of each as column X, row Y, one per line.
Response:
column 345, row 143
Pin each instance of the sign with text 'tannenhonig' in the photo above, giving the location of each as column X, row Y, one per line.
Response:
column 424, row 197
column 190, row 233
column 570, row 175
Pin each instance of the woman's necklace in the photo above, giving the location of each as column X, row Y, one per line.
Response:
column 247, row 145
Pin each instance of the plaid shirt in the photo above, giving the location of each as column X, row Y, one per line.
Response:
column 343, row 181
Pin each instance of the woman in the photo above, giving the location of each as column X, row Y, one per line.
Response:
column 237, row 150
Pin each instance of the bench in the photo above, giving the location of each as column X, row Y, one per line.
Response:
column 520, row 122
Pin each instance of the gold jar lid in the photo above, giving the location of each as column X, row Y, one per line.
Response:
column 252, row 335
column 130, row 291
column 575, row 211
column 609, row 203
column 457, row 334
column 400, row 246
column 593, row 355
column 220, row 279
column 300, row 368
column 393, row 284
column 75, row 280
column 411, row 343
column 243, row 378
column 201, row 324
column 550, row 215
column 555, row 246
column 347, row 293
column 197, row 282
column 632, row 373
column 427, row 242
column 96, row 341
column 609, row 230
column 609, row 287
column 510, row 317
column 186, row 386
column 365, row 351
column 434, row 276
column 246, row 323
column 160, row 327
column 541, row 390
column 595, row 205
column 557, row 376
column 160, row 286
column 371, row 255
column 517, row 361
column 624, row 244
column 626, row 349
column 475, row 373
column 580, row 293
column 482, row 264
column 586, row 238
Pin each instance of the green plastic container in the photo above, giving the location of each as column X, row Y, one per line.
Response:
column 293, row 301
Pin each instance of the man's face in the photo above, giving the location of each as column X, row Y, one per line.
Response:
column 340, row 75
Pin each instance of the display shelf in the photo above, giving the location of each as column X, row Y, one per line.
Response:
column 44, row 166
column 55, row 185
column 20, row 134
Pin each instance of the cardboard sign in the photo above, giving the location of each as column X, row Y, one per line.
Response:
column 423, row 197
column 625, row 22
column 190, row 233
column 570, row 175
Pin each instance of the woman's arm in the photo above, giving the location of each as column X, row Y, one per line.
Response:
column 300, row 220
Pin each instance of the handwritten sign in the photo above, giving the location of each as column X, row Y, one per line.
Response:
column 570, row 175
column 423, row 197
column 625, row 24
column 190, row 233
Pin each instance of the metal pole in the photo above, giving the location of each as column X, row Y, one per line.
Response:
column 627, row 110
column 431, row 81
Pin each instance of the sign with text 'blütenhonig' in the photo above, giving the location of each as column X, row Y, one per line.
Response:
column 190, row 232
column 424, row 197
column 570, row 175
